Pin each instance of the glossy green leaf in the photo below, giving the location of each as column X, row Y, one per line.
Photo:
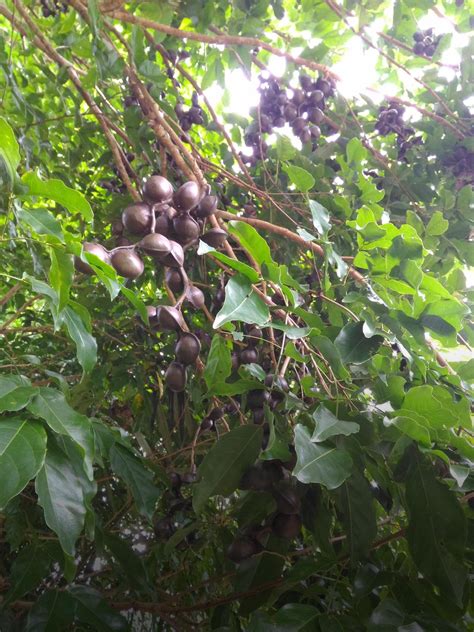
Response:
column 328, row 425
column 219, row 362
column 15, row 393
column 302, row 180
column 9, row 149
column 42, row 222
column 56, row 190
column 22, row 454
column 140, row 480
column 86, row 345
column 320, row 463
column 252, row 241
column 225, row 463
column 242, row 304
column 235, row 264
column 61, row 274
column 320, row 217
column 353, row 346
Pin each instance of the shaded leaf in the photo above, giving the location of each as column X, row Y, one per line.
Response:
column 241, row 304
column 56, row 190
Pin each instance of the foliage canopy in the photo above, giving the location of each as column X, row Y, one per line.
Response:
column 301, row 459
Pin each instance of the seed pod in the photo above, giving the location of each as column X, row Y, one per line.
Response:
column 170, row 318
column 94, row 249
column 186, row 228
column 175, row 258
column 163, row 225
column 117, row 227
column 288, row 501
column 157, row 189
column 156, row 245
column 152, row 315
column 175, row 480
column 214, row 237
column 187, row 196
column 258, row 416
column 298, row 124
column 298, row 96
column 286, row 526
column 206, row 424
column 316, row 97
column 187, row 348
column 254, row 334
column 315, row 115
column 290, row 112
column 207, row 206
column 256, row 399
column 248, row 356
column 175, row 377
column 174, row 280
column 137, row 218
column 216, row 413
column 195, row 296
column 127, row 263
column 243, row 548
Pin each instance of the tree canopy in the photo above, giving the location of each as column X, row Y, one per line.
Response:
column 235, row 341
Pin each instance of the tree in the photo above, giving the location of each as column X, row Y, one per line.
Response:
column 235, row 351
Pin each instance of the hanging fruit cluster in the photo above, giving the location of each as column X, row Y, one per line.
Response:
column 390, row 121
column 301, row 108
column 461, row 163
column 53, row 7
column 193, row 116
column 425, row 42
column 167, row 223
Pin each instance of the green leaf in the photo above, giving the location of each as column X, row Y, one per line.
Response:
column 353, row 346
column 225, row 463
column 436, row 531
column 132, row 565
column 302, row 180
column 254, row 573
column 22, row 454
column 42, row 222
column 86, row 345
column 29, row 568
column 140, row 480
column 252, row 241
column 9, row 149
column 15, row 393
column 219, row 362
column 436, row 407
column 235, row 264
column 52, row 612
column 242, row 304
column 320, row 217
column 331, row 354
column 357, row 509
column 356, row 153
column 137, row 303
column 61, row 275
column 328, row 425
column 437, row 224
column 51, row 405
column 60, row 493
column 56, row 190
column 91, row 609
column 296, row 617
column 285, row 149
column 320, row 463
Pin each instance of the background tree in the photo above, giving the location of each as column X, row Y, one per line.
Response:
column 248, row 407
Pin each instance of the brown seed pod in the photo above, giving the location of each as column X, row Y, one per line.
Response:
column 127, row 263
column 175, row 258
column 195, row 296
column 207, row 206
column 175, row 377
column 187, row 348
column 257, row 398
column 248, row 356
column 187, row 196
column 214, row 237
column 117, row 227
column 243, row 548
column 174, row 280
column 315, row 115
column 288, row 501
column 156, row 245
column 170, row 318
column 287, row 526
column 186, row 228
column 157, row 189
column 137, row 218
column 152, row 315
column 94, row 249
column 163, row 225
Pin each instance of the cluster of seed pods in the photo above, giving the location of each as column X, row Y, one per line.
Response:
column 166, row 223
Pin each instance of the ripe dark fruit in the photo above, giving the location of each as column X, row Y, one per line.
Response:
column 94, row 249
column 136, row 218
column 157, row 189
column 216, row 413
column 235, row 361
column 214, row 237
column 186, row 228
column 290, row 112
column 187, row 196
column 256, row 399
column 298, row 125
column 175, row 377
column 175, row 258
column 195, row 296
column 174, row 280
column 258, row 416
column 288, row 501
column 206, row 424
column 243, row 548
column 156, row 245
column 207, row 206
column 170, row 318
column 248, row 356
column 276, row 381
column 163, row 225
column 127, row 263
column 315, row 115
column 261, row 476
column 187, row 348
column 287, row 526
